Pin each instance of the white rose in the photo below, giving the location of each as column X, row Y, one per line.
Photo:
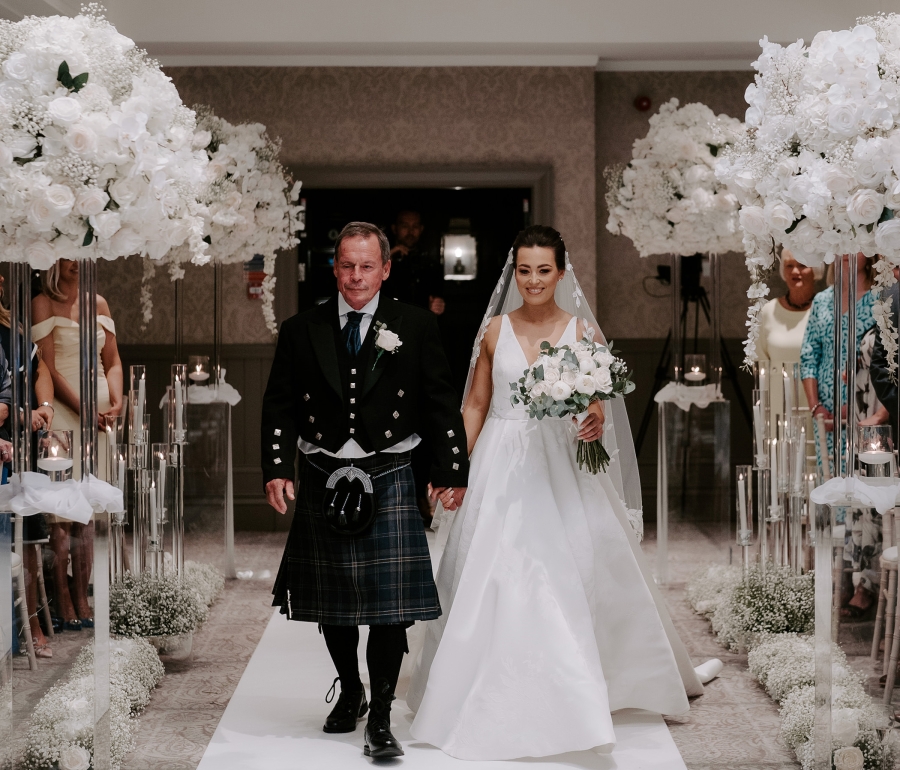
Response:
column 90, row 201
column 603, row 379
column 551, row 374
column 849, row 758
column 568, row 377
column 387, row 340
column 779, row 216
column 40, row 255
column 843, row 119
column 201, row 140
column 126, row 242
column 844, row 726
column 753, row 220
column 124, row 191
column 64, row 109
column 233, row 199
column 560, row 391
column 603, row 357
column 6, row 156
column 106, row 224
column 587, row 365
column 17, row 67
column 891, row 197
column 22, row 145
column 40, row 214
column 865, row 206
column 837, row 181
column 887, row 238
column 539, row 389
column 81, row 140
column 585, row 384
column 74, row 757
column 60, row 199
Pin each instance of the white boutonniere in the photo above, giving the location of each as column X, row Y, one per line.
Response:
column 385, row 341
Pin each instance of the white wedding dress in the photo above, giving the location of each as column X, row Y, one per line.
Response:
column 550, row 620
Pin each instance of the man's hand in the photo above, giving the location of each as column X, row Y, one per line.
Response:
column 276, row 489
column 400, row 249
column 5, row 451
column 451, row 497
column 437, row 305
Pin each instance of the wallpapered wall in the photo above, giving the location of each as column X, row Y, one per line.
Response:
column 624, row 308
column 353, row 116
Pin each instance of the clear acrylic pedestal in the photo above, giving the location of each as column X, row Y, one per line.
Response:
column 693, row 472
column 208, row 484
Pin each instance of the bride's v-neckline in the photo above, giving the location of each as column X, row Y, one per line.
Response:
column 519, row 344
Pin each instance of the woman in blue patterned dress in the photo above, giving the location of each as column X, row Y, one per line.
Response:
column 817, row 352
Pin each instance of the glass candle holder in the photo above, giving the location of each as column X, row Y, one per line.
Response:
column 198, row 370
column 177, row 411
column 54, row 454
column 160, row 462
column 744, row 504
column 875, row 445
column 695, row 367
column 139, row 417
column 761, row 427
column 798, row 454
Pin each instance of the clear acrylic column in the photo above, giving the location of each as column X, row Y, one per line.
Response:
column 177, row 437
column 744, row 511
column 138, row 464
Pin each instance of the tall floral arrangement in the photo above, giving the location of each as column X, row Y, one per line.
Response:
column 818, row 167
column 250, row 199
column 667, row 199
column 96, row 155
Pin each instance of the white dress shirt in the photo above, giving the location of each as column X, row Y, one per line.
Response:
column 351, row 450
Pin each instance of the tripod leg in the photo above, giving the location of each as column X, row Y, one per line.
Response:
column 662, row 373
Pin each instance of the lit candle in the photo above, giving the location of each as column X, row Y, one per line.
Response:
column 695, row 375
column 742, row 502
column 763, row 377
column 139, row 412
column 758, row 425
column 55, row 464
column 121, row 477
column 788, row 395
column 773, row 473
column 875, row 455
column 162, row 486
column 199, row 376
column 153, row 524
column 179, row 402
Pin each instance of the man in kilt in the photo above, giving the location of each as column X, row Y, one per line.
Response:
column 359, row 381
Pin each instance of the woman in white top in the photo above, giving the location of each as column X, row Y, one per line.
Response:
column 55, row 331
column 782, row 324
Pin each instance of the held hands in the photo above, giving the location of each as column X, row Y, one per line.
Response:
column 41, row 418
column 592, row 427
column 276, row 489
column 451, row 497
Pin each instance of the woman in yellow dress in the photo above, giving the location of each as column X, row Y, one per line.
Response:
column 56, row 333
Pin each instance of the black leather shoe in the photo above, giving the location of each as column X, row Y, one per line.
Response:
column 380, row 743
column 351, row 706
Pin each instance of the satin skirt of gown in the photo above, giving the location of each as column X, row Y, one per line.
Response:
column 549, row 621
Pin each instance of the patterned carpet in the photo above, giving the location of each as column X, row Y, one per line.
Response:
column 734, row 725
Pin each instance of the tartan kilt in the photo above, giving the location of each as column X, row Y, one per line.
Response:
column 382, row 576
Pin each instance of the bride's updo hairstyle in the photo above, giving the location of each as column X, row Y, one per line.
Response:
column 543, row 237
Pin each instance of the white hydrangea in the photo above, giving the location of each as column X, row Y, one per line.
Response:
column 667, row 200
column 818, row 167
column 95, row 147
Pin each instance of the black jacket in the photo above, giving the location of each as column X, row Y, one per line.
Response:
column 316, row 393
column 885, row 389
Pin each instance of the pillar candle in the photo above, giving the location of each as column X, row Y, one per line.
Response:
column 179, row 401
column 742, row 501
column 788, row 395
column 758, row 425
column 773, row 472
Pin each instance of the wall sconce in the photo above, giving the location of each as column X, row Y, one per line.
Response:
column 459, row 255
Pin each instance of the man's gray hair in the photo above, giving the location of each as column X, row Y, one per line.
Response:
column 364, row 230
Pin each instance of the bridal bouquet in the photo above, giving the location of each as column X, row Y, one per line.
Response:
column 565, row 380
column 95, row 146
column 250, row 199
column 667, row 200
column 818, row 169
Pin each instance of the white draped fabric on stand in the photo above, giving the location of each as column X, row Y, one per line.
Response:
column 551, row 620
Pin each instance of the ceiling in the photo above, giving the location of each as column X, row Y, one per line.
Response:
column 607, row 34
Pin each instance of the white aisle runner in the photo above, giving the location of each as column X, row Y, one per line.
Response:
column 274, row 721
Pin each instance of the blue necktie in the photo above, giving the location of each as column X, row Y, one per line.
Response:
column 351, row 333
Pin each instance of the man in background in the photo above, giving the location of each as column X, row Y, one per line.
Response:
column 417, row 275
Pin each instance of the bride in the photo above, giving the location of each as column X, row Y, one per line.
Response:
column 551, row 621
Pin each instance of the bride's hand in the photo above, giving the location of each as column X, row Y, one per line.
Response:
column 592, row 427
